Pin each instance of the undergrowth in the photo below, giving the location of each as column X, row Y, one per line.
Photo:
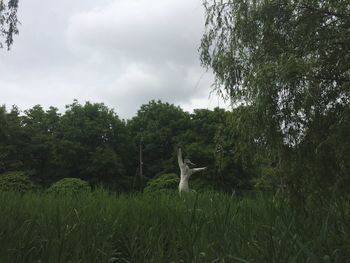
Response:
column 206, row 227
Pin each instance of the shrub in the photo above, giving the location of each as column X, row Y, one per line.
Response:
column 268, row 180
column 16, row 181
column 69, row 186
column 170, row 182
column 202, row 186
column 163, row 183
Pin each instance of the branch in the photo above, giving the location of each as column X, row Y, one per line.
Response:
column 324, row 11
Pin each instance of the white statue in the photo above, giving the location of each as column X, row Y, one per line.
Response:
column 186, row 172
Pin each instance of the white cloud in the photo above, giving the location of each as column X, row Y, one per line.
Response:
column 152, row 31
column 121, row 52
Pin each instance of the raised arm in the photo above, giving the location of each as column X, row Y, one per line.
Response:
column 179, row 157
column 194, row 170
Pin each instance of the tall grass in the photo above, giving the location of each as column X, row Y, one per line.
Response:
column 102, row 227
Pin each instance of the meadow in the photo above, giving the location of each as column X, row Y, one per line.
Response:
column 206, row 227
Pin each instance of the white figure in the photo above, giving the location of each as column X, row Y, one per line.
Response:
column 186, row 172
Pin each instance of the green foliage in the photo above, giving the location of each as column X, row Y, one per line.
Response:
column 287, row 63
column 11, row 140
column 202, row 185
column 163, row 183
column 90, row 142
column 268, row 180
column 206, row 143
column 166, row 228
column 39, row 135
column 8, row 21
column 93, row 145
column 16, row 181
column 158, row 125
column 169, row 183
column 70, row 186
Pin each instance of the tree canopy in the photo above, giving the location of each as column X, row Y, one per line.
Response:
column 288, row 62
column 89, row 142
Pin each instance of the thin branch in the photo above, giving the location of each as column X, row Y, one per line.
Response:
column 324, row 11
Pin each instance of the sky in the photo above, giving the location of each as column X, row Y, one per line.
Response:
column 123, row 53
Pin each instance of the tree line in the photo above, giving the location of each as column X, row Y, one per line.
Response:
column 89, row 141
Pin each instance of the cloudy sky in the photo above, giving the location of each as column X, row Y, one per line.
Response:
column 120, row 52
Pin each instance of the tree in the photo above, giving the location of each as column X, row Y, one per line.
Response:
column 288, row 62
column 236, row 158
column 93, row 144
column 158, row 124
column 8, row 22
column 200, row 145
column 11, row 140
column 39, row 129
column 88, row 142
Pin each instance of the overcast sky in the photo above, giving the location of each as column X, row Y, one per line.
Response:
column 120, row 52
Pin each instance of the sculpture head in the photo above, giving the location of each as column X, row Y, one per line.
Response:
column 188, row 162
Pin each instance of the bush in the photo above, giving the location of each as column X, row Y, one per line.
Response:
column 170, row 182
column 16, row 181
column 268, row 180
column 69, row 186
column 163, row 183
column 200, row 185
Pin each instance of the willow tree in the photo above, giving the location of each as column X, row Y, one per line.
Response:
column 288, row 62
column 8, row 22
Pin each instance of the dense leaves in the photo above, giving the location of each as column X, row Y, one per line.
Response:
column 88, row 142
column 288, row 63
column 163, row 183
column 16, row 182
column 69, row 186
column 91, row 143
column 11, row 140
column 157, row 126
column 161, row 128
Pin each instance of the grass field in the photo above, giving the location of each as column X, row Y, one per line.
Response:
column 100, row 227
